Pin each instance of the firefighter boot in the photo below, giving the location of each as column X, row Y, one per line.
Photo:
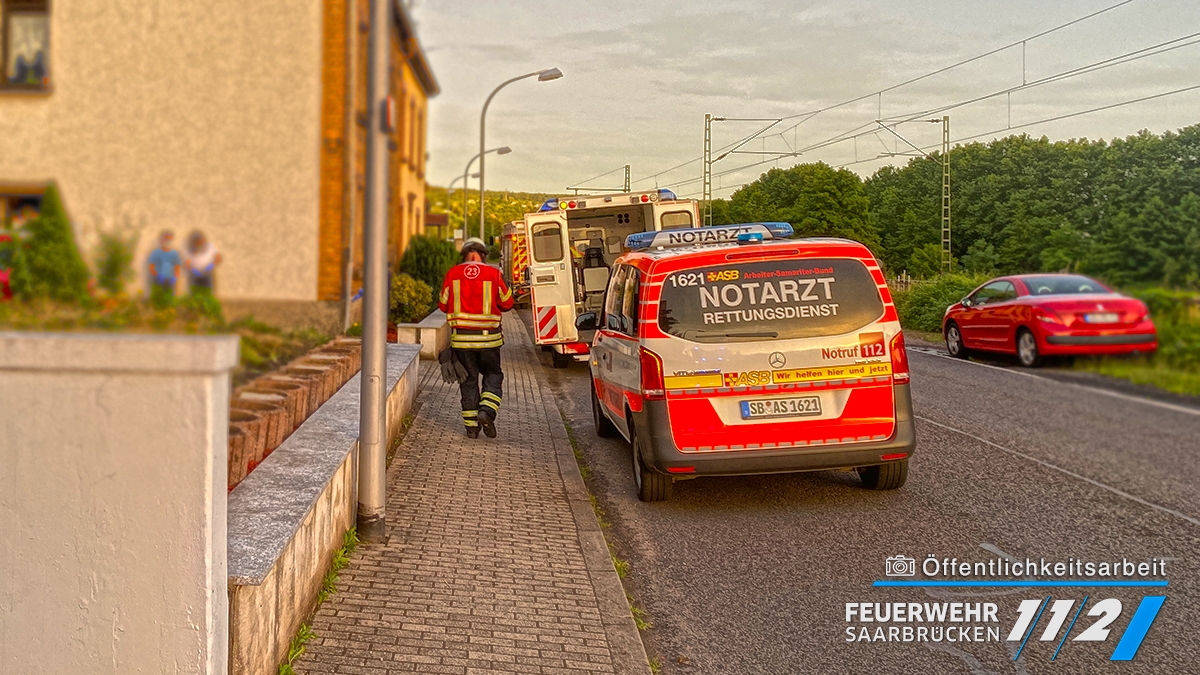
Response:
column 487, row 420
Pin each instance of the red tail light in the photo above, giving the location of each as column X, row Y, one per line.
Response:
column 653, row 388
column 899, row 359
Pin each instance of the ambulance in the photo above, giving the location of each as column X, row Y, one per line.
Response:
column 573, row 243
column 514, row 261
column 739, row 349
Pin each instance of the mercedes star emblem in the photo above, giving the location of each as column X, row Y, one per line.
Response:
column 777, row 360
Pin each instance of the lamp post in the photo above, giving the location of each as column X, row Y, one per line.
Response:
column 372, row 444
column 542, row 76
column 503, row 150
column 450, row 189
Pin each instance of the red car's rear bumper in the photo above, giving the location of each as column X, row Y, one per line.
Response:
column 1056, row 339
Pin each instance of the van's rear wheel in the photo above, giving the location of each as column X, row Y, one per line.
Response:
column 651, row 486
column 604, row 427
column 561, row 360
column 888, row 476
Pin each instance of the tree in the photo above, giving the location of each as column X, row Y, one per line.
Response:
column 926, row 262
column 428, row 259
column 981, row 258
column 816, row 199
column 56, row 270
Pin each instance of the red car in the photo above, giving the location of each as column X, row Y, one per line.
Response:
column 1037, row 315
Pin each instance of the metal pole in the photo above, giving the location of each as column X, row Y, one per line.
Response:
column 627, row 178
column 947, row 258
column 707, row 169
column 542, row 75
column 351, row 184
column 372, row 451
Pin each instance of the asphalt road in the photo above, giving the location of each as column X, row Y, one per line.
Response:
column 752, row 574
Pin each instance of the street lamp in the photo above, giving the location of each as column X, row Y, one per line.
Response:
column 503, row 150
column 542, row 76
column 450, row 190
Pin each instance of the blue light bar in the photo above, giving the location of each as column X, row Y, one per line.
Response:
column 665, row 195
column 549, row 205
column 717, row 234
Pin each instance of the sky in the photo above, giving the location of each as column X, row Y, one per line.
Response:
column 639, row 76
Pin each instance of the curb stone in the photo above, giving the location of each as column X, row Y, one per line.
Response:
column 624, row 640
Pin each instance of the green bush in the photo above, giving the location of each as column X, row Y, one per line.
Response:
column 114, row 260
column 409, row 300
column 14, row 258
column 56, row 270
column 428, row 259
column 923, row 306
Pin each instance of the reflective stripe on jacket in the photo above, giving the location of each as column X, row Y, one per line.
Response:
column 473, row 296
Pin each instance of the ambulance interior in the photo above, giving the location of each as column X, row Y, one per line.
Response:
column 597, row 238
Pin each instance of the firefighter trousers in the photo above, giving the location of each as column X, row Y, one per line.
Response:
column 485, row 364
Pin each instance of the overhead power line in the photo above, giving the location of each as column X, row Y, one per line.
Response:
column 870, row 128
column 807, row 115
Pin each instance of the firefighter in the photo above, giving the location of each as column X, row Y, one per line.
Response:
column 473, row 296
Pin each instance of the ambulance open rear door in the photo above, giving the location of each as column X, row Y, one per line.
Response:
column 551, row 278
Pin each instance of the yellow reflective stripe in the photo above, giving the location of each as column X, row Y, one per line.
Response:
column 506, row 294
column 489, row 396
column 457, row 297
column 454, row 342
column 465, row 315
column 487, row 297
column 445, row 294
column 481, row 325
column 490, row 404
column 470, row 413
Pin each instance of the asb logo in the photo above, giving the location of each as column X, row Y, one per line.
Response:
column 471, row 272
column 753, row 378
column 871, row 345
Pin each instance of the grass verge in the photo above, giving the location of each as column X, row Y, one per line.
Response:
column 305, row 634
column 1146, row 372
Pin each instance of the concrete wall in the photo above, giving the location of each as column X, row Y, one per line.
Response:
column 289, row 516
column 184, row 114
column 112, row 503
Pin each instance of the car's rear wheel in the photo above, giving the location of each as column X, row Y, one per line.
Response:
column 651, row 486
column 604, row 427
column 954, row 342
column 888, row 476
column 1027, row 349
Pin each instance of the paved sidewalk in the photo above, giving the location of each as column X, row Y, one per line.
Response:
column 495, row 562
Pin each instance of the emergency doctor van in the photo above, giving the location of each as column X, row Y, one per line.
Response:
column 738, row 349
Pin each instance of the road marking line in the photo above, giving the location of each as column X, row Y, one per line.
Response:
column 1048, row 465
column 1095, row 390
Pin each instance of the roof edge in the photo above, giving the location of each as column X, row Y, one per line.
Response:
column 414, row 52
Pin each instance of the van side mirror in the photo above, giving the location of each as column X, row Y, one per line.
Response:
column 586, row 321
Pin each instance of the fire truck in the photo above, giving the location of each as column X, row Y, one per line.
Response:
column 572, row 243
column 514, row 260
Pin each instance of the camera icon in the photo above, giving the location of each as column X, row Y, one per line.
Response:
column 899, row 566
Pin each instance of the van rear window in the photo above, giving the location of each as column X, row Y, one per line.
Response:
column 772, row 300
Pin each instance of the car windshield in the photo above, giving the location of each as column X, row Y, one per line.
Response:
column 1063, row 284
column 773, row 300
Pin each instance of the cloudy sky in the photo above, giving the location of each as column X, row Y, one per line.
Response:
column 641, row 74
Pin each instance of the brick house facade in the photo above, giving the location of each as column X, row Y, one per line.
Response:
column 245, row 121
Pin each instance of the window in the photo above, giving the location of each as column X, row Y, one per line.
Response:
column 25, row 38
column 614, row 299
column 675, row 219
column 547, row 242
column 629, row 303
column 773, row 300
column 997, row 291
column 421, row 144
column 412, row 133
column 1066, row 284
